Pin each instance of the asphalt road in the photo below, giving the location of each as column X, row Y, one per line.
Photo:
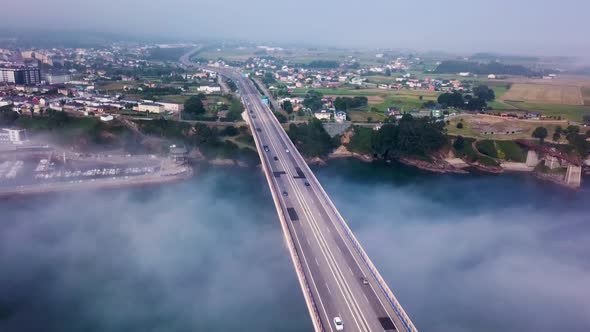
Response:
column 332, row 265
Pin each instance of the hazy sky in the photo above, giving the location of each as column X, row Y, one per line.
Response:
column 509, row 26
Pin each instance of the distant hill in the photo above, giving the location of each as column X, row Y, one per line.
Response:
column 458, row 66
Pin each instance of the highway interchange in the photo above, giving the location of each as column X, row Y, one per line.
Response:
column 336, row 276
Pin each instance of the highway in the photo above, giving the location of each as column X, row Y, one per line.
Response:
column 336, row 276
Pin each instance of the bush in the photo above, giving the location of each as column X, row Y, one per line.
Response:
column 488, row 148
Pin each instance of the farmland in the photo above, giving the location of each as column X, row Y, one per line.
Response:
column 544, row 93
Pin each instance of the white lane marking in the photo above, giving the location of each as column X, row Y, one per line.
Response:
column 351, row 273
column 308, row 241
column 328, row 230
column 316, row 261
column 329, row 291
column 366, row 298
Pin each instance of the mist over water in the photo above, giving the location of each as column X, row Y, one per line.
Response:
column 462, row 253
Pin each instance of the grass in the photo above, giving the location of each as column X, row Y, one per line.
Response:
column 361, row 140
column 363, row 116
column 468, row 153
column 488, row 148
column 510, row 151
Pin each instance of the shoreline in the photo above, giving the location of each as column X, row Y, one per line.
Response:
column 101, row 184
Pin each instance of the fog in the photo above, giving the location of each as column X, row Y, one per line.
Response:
column 461, row 253
column 542, row 27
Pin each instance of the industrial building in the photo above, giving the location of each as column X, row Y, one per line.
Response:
column 13, row 136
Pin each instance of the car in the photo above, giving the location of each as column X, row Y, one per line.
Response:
column 364, row 280
column 265, row 147
column 253, row 116
column 276, row 158
column 287, row 150
column 258, row 129
column 338, row 323
column 306, row 184
column 285, row 193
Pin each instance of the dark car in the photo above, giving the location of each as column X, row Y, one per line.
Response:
column 258, row 129
column 285, row 193
column 253, row 116
column 276, row 158
column 364, row 280
column 306, row 184
column 265, row 147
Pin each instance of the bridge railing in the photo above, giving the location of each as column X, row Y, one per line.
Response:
column 382, row 284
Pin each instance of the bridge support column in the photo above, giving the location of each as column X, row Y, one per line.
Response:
column 573, row 176
column 532, row 158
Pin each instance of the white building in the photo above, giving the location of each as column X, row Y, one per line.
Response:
column 323, row 115
column 106, row 118
column 14, row 136
column 209, row 89
column 340, row 116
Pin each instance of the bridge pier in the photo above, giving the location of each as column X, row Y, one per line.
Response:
column 532, row 158
column 573, row 176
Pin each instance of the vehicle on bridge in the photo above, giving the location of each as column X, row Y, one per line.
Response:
column 338, row 323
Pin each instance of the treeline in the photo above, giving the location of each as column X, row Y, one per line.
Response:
column 408, row 137
column 457, row 66
column 346, row 103
column 166, row 54
column 311, row 138
column 476, row 101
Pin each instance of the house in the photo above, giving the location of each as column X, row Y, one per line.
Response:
column 340, row 116
column 357, row 81
column 323, row 115
column 464, row 74
column 171, row 106
column 393, row 111
column 491, row 77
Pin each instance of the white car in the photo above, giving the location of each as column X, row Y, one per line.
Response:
column 338, row 323
column 287, row 150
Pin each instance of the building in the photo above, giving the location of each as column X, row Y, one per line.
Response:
column 323, row 115
column 57, row 78
column 149, row 107
column 179, row 154
column 209, row 89
column 340, row 116
column 170, row 106
column 20, row 75
column 14, row 136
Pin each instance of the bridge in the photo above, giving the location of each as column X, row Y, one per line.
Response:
column 335, row 274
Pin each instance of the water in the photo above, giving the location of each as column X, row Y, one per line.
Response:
column 462, row 253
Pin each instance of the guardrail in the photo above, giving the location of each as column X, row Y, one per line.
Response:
column 382, row 284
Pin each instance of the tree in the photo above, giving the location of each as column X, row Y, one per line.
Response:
column 586, row 118
column 454, row 99
column 476, row 104
column 540, row 133
column 193, row 107
column 484, row 93
column 288, row 106
column 557, row 134
column 313, row 100
column 459, row 143
column 280, row 116
column 460, row 125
